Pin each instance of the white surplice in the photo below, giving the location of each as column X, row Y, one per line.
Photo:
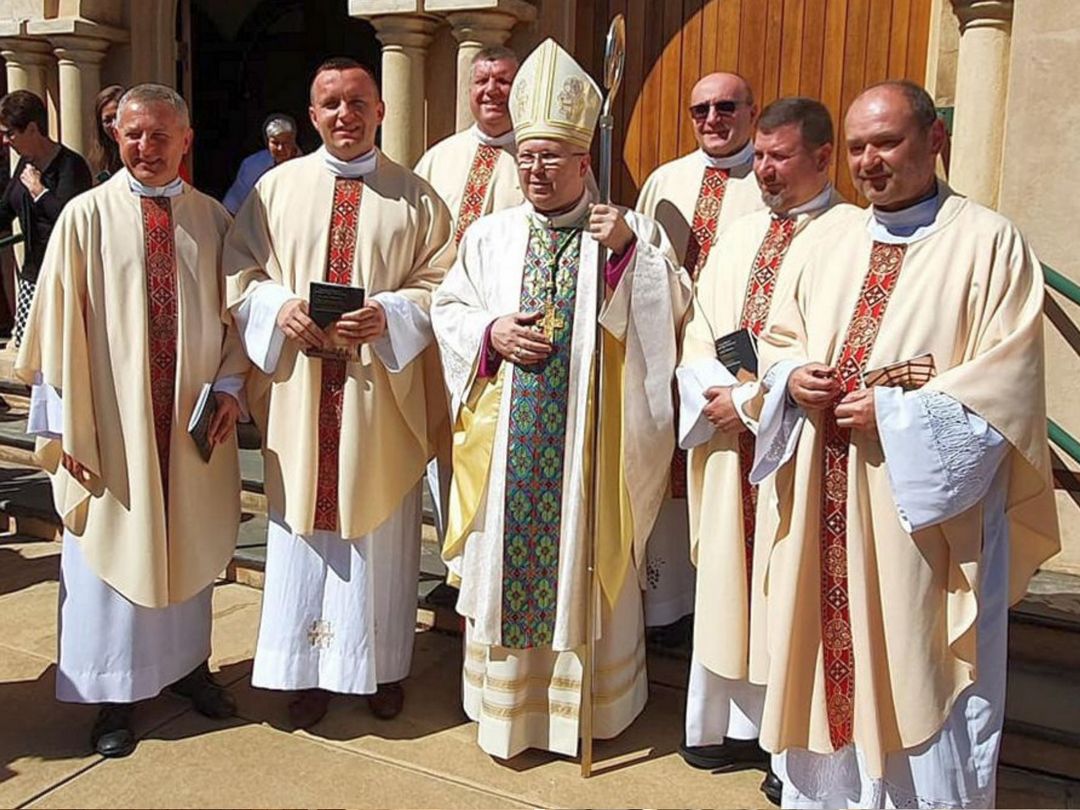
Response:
column 338, row 613
column 111, row 650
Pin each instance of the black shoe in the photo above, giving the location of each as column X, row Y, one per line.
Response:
column 729, row 755
column 207, row 696
column 112, row 735
column 772, row 787
column 443, row 595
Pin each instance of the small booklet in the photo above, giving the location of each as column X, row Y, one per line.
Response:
column 326, row 303
column 201, row 417
column 910, row 374
column 737, row 351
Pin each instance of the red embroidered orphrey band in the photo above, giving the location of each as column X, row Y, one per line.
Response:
column 706, row 214
column 159, row 243
column 472, row 204
column 702, row 232
column 756, row 304
column 339, row 263
column 836, row 640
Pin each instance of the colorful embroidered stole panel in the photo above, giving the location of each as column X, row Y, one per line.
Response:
column 756, row 304
column 159, row 242
column 476, row 186
column 836, row 639
column 702, row 233
column 706, row 215
column 536, row 448
column 339, row 263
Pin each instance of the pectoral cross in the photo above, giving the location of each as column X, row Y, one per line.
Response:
column 320, row 635
column 552, row 320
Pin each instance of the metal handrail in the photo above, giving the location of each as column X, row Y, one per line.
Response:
column 1071, row 290
column 14, row 239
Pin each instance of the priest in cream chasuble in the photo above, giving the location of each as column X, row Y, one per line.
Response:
column 751, row 268
column 475, row 174
column 906, row 424
column 346, row 438
column 515, row 320
column 127, row 328
column 695, row 198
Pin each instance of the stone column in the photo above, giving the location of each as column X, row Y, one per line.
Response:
column 982, row 79
column 79, row 59
column 474, row 31
column 405, row 39
column 31, row 66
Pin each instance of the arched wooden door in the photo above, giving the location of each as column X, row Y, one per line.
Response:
column 826, row 49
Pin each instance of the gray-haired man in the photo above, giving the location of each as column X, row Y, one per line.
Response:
column 124, row 334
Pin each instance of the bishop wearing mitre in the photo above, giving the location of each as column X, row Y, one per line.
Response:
column 516, row 325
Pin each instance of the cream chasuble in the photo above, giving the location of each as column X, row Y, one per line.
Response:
column 474, row 174
column 751, row 270
column 872, row 628
column 516, row 539
column 387, row 423
column 345, row 443
column 127, row 327
column 695, row 198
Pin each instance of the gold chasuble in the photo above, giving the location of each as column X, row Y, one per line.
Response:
column 474, row 176
column 344, row 442
column 871, row 629
column 753, row 269
column 128, row 326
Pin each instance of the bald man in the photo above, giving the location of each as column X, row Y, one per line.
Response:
column 695, row 198
column 906, row 425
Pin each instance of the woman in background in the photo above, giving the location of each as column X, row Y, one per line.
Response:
column 105, row 154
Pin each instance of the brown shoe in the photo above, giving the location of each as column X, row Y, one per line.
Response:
column 308, row 707
column 386, row 704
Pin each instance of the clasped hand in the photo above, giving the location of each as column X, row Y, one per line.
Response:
column 358, row 326
column 607, row 225
column 815, row 387
column 721, row 411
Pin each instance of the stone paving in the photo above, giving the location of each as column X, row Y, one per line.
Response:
column 427, row 757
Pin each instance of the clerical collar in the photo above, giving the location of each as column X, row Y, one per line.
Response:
column 506, row 139
column 740, row 158
column 357, row 167
column 173, row 189
column 573, row 216
column 812, row 206
column 908, row 224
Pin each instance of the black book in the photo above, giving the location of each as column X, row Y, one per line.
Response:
column 327, row 302
column 737, row 351
column 201, row 417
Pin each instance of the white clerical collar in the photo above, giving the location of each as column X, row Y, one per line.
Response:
column 812, row 206
column 573, row 216
column 173, row 189
column 908, row 224
column 501, row 141
column 740, row 158
column 357, row 167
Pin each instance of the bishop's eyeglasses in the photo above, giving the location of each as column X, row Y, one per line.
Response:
column 544, row 161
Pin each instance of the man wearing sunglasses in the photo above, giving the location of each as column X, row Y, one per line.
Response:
column 694, row 198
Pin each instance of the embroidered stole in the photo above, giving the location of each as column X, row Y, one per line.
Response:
column 339, row 263
column 706, row 214
column 756, row 304
column 159, row 242
column 702, row 233
column 836, row 639
column 536, row 448
column 476, row 186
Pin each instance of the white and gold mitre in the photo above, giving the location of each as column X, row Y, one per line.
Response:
column 553, row 97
